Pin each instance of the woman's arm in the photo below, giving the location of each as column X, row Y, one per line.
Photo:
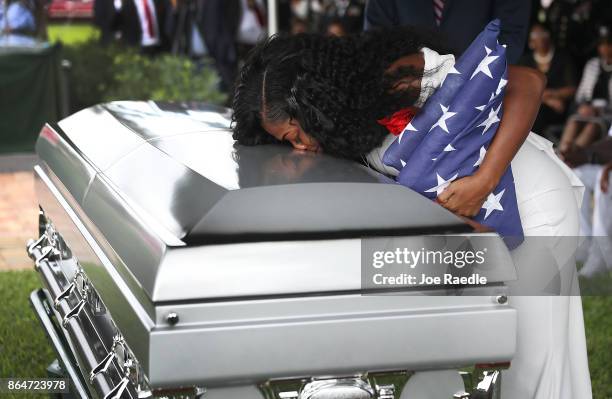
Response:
column 521, row 104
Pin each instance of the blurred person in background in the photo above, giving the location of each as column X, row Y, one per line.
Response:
column 593, row 165
column 459, row 20
column 593, row 97
column 559, row 70
column 224, row 30
column 342, row 16
column 17, row 17
column 335, row 27
column 345, row 15
column 574, row 25
column 252, row 27
column 298, row 26
column 106, row 18
column 138, row 23
column 308, row 11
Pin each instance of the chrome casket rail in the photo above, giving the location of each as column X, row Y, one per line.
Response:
column 75, row 305
column 111, row 371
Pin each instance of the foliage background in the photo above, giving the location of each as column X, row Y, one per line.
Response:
column 107, row 73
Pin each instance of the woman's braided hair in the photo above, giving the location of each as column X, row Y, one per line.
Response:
column 336, row 88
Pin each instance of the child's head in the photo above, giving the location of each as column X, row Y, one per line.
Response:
column 604, row 44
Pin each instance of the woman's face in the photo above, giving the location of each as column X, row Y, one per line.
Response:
column 539, row 39
column 291, row 131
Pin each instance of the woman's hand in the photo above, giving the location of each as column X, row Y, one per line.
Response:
column 587, row 111
column 521, row 104
column 604, row 181
column 465, row 196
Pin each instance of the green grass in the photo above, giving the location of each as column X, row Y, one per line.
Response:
column 598, row 325
column 72, row 33
column 600, row 285
column 25, row 351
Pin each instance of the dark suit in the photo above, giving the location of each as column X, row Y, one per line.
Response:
column 131, row 31
column 219, row 22
column 126, row 21
column 105, row 18
column 462, row 20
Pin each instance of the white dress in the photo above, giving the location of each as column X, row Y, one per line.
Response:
column 551, row 359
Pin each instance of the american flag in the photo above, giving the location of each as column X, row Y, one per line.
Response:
column 449, row 137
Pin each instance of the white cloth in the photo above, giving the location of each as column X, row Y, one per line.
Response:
column 435, row 70
column 374, row 158
column 595, row 221
column 551, row 360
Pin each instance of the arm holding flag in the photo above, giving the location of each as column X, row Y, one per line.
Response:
column 521, row 104
column 457, row 151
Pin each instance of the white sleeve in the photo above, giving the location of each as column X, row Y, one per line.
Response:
column 374, row 158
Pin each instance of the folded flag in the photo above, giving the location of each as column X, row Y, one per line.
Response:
column 449, row 137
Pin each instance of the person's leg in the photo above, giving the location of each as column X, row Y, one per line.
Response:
column 570, row 131
column 589, row 133
column 575, row 127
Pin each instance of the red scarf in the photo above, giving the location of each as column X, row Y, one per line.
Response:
column 396, row 123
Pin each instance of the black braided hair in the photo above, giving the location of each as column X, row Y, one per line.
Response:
column 335, row 87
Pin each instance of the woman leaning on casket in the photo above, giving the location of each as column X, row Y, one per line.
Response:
column 327, row 94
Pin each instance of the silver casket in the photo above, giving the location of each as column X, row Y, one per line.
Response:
column 176, row 263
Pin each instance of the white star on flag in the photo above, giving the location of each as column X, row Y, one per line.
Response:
column 442, row 184
column 403, row 162
column 442, row 121
column 493, row 203
column 453, row 71
column 484, row 64
column 411, row 128
column 408, row 128
column 482, row 107
column 491, row 119
column 502, row 82
column 481, row 156
column 449, row 148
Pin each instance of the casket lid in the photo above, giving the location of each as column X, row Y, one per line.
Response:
column 183, row 213
column 180, row 165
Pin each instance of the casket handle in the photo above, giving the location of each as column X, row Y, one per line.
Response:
column 74, row 312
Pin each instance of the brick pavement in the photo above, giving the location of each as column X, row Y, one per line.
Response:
column 18, row 217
